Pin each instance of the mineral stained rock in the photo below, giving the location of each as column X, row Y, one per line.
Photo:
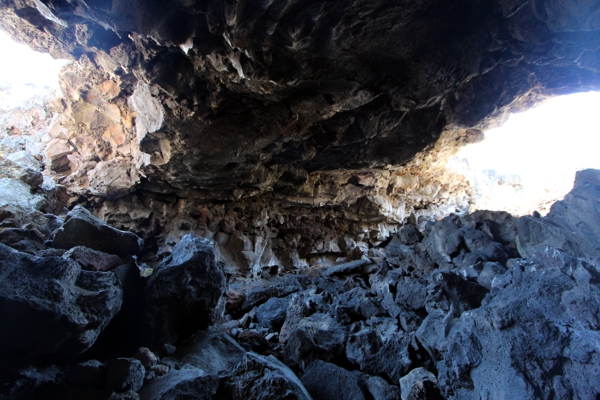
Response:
column 229, row 100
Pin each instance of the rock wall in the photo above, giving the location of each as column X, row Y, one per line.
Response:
column 229, row 100
column 484, row 305
column 266, row 177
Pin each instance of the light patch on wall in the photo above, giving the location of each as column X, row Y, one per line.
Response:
column 26, row 76
column 530, row 161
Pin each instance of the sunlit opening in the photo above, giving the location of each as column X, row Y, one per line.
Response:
column 530, row 161
column 26, row 76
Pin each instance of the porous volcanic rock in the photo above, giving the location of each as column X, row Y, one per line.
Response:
column 571, row 224
column 50, row 305
column 185, row 293
column 81, row 228
column 231, row 100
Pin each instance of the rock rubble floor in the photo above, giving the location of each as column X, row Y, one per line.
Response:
column 480, row 306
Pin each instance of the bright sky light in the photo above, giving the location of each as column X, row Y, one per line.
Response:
column 25, row 73
column 544, row 147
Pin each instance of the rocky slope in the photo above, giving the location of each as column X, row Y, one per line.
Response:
column 480, row 306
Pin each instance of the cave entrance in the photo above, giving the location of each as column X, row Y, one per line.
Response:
column 27, row 77
column 530, row 161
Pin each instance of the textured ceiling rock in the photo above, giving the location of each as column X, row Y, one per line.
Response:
column 232, row 98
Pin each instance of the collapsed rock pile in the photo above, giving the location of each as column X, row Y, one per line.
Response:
column 480, row 306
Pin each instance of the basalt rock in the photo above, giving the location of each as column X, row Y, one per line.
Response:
column 81, row 228
column 296, row 137
column 231, row 100
column 570, row 223
column 50, row 305
column 518, row 347
column 93, row 260
column 185, row 293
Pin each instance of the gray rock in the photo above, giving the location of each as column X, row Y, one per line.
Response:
column 185, row 293
column 419, row 384
column 380, row 389
column 461, row 294
column 411, row 293
column 16, row 166
column 326, row 381
column 495, row 252
column 129, row 395
column 211, row 351
column 271, row 314
column 517, row 343
column 571, row 224
column 263, row 378
column 318, row 336
column 475, row 239
column 49, row 305
column 444, row 240
column 88, row 373
column 499, row 225
column 81, row 228
column 92, row 260
column 146, row 357
column 124, row 374
column 352, row 267
column 414, row 259
column 30, row 241
column 380, row 355
column 409, row 235
column 261, row 294
column 489, row 272
column 184, row 383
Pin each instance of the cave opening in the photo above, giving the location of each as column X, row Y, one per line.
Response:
column 530, row 161
column 27, row 77
column 267, row 200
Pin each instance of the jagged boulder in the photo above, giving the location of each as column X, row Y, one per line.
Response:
column 211, row 351
column 185, row 293
column 253, row 377
column 328, row 381
column 93, row 260
column 572, row 223
column 81, row 228
column 535, row 335
column 50, row 305
column 263, row 378
column 419, row 384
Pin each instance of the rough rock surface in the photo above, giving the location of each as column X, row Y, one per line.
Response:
column 571, row 224
column 521, row 348
column 185, row 293
column 93, row 260
column 467, row 322
column 50, row 305
column 246, row 141
column 81, row 228
column 314, row 102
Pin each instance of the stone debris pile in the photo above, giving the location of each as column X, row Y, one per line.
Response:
column 480, row 306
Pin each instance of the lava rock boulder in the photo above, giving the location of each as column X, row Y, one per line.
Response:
column 81, row 228
column 536, row 333
column 50, row 305
column 185, row 293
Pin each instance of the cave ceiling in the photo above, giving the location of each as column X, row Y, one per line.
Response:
column 231, row 98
